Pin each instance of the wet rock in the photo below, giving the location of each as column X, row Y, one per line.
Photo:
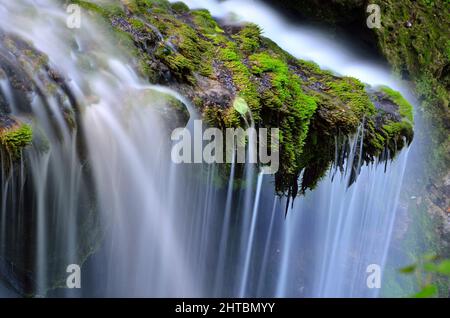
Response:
column 212, row 63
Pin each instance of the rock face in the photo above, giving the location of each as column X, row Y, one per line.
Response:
column 414, row 37
column 213, row 64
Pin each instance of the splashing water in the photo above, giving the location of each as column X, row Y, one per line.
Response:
column 165, row 229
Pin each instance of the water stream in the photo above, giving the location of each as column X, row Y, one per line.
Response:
column 163, row 229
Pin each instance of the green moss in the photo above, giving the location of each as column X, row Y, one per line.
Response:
column 312, row 69
column 180, row 7
column 229, row 54
column 345, row 99
column 242, row 77
column 137, row 24
column 180, row 66
column 264, row 62
column 399, row 129
column 209, row 28
column 394, row 128
column 310, row 66
column 375, row 140
column 393, row 132
column 396, row 135
column 249, row 38
column 278, row 90
column 193, row 53
column 90, row 6
column 205, row 22
column 421, row 53
column 285, row 105
column 145, row 6
column 37, row 60
column 194, row 48
column 213, row 116
column 447, row 49
column 15, row 139
column 106, row 10
column 286, row 93
column 231, row 117
column 352, row 93
column 405, row 108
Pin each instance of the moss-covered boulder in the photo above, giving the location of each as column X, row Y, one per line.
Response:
column 13, row 138
column 415, row 38
column 214, row 65
column 17, row 61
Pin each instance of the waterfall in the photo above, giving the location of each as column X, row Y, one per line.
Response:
column 106, row 195
column 123, row 133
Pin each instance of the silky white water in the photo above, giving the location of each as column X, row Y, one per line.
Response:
column 124, row 136
column 170, row 230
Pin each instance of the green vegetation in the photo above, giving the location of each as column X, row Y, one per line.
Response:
column 351, row 92
column 204, row 21
column 414, row 37
column 241, row 75
column 421, row 243
column 285, row 102
column 405, row 108
column 395, row 131
column 249, row 38
column 430, row 271
column 180, row 7
column 419, row 51
column 105, row 10
column 215, row 66
column 15, row 139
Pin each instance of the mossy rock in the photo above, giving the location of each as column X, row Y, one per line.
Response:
column 15, row 138
column 214, row 65
column 414, row 38
column 180, row 7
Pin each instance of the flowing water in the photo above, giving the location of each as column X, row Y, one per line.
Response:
column 159, row 229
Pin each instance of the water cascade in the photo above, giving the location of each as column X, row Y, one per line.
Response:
column 107, row 195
